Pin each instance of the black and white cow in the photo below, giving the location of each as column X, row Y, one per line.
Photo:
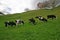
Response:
column 51, row 16
column 41, row 18
column 10, row 23
column 19, row 22
column 32, row 20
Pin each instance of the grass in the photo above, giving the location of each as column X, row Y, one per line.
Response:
column 41, row 31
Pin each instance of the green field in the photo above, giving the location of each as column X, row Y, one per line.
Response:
column 41, row 31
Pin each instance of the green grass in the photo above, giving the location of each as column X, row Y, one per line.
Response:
column 41, row 31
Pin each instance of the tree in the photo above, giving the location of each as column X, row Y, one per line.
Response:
column 1, row 13
column 43, row 5
column 26, row 9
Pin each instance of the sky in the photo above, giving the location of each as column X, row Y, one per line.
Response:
column 18, row 6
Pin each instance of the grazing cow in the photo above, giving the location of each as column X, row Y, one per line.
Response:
column 51, row 16
column 32, row 21
column 8, row 23
column 41, row 18
column 19, row 22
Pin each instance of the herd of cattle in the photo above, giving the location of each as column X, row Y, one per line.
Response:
column 31, row 20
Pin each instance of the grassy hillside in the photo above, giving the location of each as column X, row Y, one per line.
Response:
column 41, row 31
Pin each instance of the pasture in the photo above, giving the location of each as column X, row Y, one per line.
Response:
column 41, row 31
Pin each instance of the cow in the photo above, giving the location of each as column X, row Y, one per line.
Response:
column 19, row 22
column 32, row 20
column 10, row 23
column 41, row 18
column 51, row 16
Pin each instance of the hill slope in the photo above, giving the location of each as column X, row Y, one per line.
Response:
column 41, row 31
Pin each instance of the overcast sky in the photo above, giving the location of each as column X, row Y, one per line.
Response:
column 14, row 6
